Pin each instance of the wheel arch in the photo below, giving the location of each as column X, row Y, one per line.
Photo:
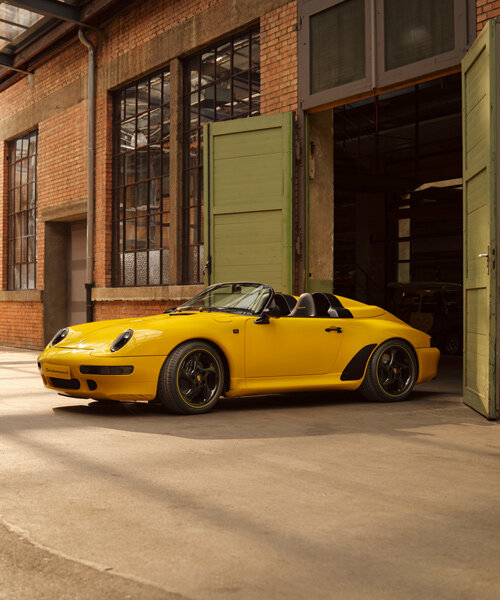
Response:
column 225, row 363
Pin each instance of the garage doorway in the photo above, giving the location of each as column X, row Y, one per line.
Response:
column 398, row 205
column 77, row 252
column 64, row 297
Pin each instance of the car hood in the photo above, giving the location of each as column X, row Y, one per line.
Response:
column 98, row 337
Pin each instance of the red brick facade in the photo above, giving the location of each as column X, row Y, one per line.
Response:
column 278, row 57
column 21, row 324
column 486, row 9
column 121, row 310
column 54, row 100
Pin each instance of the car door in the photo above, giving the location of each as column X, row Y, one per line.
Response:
column 292, row 346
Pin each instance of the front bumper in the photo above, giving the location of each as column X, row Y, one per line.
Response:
column 60, row 371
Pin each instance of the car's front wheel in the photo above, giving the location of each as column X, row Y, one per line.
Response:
column 191, row 379
column 391, row 372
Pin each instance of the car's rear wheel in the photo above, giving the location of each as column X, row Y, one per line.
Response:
column 391, row 372
column 191, row 379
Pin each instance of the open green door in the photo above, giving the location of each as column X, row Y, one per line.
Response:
column 480, row 149
column 248, row 178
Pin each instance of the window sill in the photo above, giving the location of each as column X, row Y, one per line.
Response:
column 21, row 296
column 162, row 293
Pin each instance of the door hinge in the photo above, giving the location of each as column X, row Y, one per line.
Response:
column 208, row 266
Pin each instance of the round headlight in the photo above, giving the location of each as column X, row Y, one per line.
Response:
column 121, row 340
column 60, row 335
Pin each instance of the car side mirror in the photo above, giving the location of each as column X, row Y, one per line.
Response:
column 270, row 311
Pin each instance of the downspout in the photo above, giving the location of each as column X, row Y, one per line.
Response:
column 89, row 277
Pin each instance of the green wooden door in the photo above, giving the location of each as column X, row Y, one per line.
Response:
column 480, row 145
column 248, row 178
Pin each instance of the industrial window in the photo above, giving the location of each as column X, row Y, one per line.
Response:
column 351, row 47
column 222, row 82
column 22, row 184
column 141, row 183
column 337, row 45
column 415, row 31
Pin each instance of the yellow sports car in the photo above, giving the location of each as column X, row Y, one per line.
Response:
column 237, row 339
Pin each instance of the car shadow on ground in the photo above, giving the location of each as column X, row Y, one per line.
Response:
column 279, row 416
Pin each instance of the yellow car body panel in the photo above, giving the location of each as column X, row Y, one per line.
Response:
column 284, row 355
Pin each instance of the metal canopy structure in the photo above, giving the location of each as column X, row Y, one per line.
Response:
column 28, row 27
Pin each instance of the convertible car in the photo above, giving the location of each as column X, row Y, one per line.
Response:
column 238, row 339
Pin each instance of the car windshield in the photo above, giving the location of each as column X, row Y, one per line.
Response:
column 241, row 298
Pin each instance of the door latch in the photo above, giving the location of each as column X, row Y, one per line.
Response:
column 336, row 329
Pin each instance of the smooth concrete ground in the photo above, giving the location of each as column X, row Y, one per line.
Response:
column 296, row 497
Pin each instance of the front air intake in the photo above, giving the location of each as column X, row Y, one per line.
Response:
column 65, row 384
column 106, row 369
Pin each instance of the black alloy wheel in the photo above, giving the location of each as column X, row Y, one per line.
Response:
column 191, row 379
column 198, row 377
column 394, row 370
column 391, row 372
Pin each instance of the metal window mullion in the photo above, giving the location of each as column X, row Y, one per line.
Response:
column 134, row 252
column 162, row 137
column 250, row 71
column 124, row 232
column 231, row 79
column 148, row 181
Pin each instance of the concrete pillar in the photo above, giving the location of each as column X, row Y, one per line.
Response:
column 321, row 202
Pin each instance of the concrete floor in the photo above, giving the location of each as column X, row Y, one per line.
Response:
column 297, row 497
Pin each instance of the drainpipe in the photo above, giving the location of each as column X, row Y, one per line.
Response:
column 89, row 277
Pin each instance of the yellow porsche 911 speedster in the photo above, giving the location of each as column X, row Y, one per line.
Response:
column 237, row 339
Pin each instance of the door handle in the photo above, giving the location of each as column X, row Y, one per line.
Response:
column 336, row 329
column 486, row 255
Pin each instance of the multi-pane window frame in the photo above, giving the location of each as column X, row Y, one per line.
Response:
column 376, row 75
column 141, row 182
column 201, row 85
column 22, row 212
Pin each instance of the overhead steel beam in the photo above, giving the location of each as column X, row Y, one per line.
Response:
column 51, row 8
column 14, row 24
column 7, row 61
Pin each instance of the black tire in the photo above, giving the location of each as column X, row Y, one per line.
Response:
column 191, row 379
column 391, row 372
column 452, row 344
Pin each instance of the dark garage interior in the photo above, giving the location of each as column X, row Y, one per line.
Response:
column 398, row 204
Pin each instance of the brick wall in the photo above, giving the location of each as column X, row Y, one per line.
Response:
column 486, row 9
column 21, row 324
column 62, row 69
column 62, row 166
column 146, row 20
column 57, row 92
column 103, row 191
column 278, row 55
column 122, row 310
